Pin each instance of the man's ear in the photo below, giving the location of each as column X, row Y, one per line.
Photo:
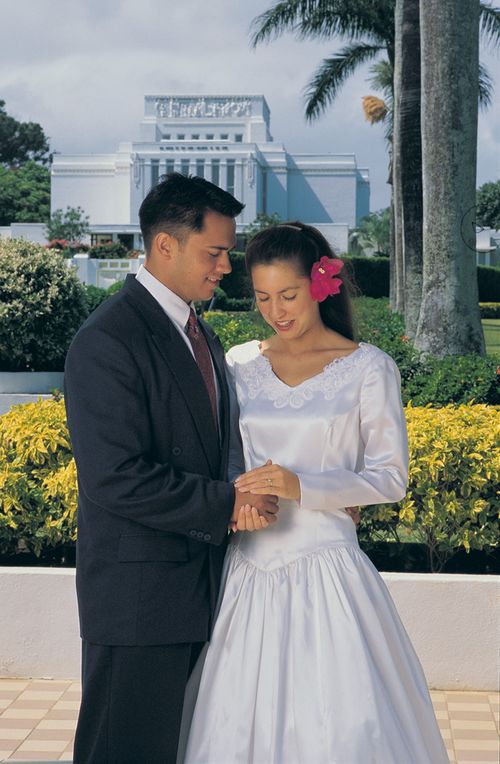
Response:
column 166, row 245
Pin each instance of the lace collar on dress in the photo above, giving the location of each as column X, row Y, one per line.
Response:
column 259, row 377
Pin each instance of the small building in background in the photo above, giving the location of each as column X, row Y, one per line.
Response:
column 488, row 247
column 227, row 140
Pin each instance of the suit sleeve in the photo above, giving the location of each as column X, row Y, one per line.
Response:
column 111, row 439
column 384, row 475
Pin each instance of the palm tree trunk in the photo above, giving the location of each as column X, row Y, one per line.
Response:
column 407, row 137
column 392, row 253
column 449, row 322
column 398, row 271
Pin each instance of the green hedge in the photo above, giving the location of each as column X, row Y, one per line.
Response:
column 370, row 275
column 237, row 284
column 489, row 309
column 112, row 250
column 488, row 279
column 435, row 382
column 451, row 503
column 42, row 305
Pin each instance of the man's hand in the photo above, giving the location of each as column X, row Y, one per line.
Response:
column 354, row 514
column 249, row 516
column 249, row 520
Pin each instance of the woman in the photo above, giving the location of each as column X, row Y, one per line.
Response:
column 309, row 662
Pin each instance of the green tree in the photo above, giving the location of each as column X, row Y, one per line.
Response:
column 374, row 233
column 24, row 194
column 369, row 29
column 21, row 142
column 372, row 30
column 261, row 222
column 488, row 205
column 71, row 224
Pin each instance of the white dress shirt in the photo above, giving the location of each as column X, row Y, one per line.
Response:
column 175, row 308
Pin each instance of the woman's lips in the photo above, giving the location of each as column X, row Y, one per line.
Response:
column 283, row 326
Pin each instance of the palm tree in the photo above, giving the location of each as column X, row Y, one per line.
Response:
column 373, row 233
column 369, row 28
column 407, row 157
column 449, row 322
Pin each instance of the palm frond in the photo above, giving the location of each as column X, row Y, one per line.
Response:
column 332, row 73
column 382, row 78
column 489, row 23
column 485, row 87
column 324, row 19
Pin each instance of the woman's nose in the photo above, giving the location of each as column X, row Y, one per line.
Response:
column 276, row 310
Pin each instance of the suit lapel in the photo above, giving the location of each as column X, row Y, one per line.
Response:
column 183, row 368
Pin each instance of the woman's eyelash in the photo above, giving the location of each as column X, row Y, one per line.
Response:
column 266, row 299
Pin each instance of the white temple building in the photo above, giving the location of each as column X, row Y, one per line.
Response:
column 227, row 140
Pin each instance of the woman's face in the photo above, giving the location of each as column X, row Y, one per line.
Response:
column 284, row 300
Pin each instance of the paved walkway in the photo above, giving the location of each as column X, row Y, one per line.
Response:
column 38, row 717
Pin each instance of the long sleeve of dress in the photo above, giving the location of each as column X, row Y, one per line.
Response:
column 384, row 474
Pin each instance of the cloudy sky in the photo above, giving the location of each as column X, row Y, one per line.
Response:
column 82, row 67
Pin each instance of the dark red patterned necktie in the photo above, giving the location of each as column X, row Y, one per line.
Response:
column 203, row 359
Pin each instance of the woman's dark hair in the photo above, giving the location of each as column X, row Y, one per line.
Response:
column 177, row 205
column 304, row 245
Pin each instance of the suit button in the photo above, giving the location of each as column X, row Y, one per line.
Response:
column 177, row 451
column 200, row 534
column 192, row 533
column 207, row 537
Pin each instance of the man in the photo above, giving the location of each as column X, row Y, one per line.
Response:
column 148, row 412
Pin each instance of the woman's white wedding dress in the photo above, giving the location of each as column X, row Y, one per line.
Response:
column 309, row 662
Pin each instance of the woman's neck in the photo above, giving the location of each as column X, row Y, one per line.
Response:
column 316, row 338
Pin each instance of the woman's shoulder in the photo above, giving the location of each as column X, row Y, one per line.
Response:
column 377, row 359
column 243, row 353
column 375, row 353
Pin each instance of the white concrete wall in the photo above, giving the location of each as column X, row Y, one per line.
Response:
column 103, row 273
column 318, row 197
column 39, row 624
column 99, row 183
column 452, row 621
column 30, row 231
column 337, row 234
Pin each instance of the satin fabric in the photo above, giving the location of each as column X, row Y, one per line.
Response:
column 309, row 662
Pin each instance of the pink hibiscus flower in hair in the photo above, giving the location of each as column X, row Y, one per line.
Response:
column 323, row 281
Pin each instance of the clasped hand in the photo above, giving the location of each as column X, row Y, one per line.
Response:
column 265, row 485
column 270, row 482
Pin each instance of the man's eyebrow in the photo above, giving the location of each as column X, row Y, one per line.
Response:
column 261, row 291
column 223, row 249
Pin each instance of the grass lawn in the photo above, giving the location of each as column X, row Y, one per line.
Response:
column 491, row 327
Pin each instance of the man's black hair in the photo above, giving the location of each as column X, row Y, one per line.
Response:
column 177, row 205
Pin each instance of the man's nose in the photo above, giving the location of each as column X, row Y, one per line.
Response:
column 224, row 263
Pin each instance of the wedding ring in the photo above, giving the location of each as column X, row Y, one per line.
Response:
column 270, row 481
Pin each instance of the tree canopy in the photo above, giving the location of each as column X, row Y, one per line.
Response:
column 70, row 224
column 24, row 194
column 488, row 205
column 21, row 142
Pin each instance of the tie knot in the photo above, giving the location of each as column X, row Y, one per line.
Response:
column 192, row 324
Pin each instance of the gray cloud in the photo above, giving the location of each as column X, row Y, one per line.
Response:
column 82, row 67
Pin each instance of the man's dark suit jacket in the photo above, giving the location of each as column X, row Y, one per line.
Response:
column 154, row 505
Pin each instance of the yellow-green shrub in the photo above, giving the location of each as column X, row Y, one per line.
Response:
column 452, row 501
column 38, row 492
